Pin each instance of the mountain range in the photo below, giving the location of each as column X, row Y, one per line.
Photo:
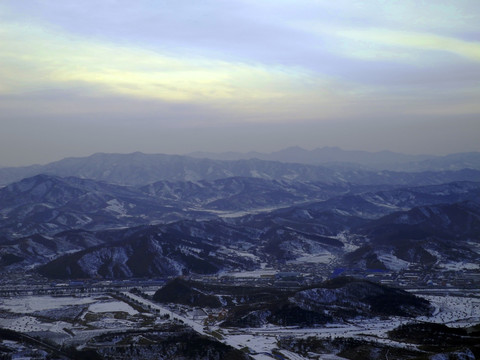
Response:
column 139, row 215
column 85, row 228
column 142, row 169
column 382, row 160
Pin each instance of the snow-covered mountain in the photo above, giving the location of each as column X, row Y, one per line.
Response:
column 88, row 228
column 49, row 204
column 447, row 235
column 175, row 249
column 425, row 235
column 242, row 193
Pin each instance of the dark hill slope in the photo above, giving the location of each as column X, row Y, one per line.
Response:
column 422, row 235
column 451, row 221
column 337, row 300
column 179, row 291
column 169, row 250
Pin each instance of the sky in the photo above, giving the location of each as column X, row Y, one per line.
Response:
column 161, row 76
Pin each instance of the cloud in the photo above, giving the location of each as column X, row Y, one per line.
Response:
column 376, row 44
column 34, row 58
column 201, row 65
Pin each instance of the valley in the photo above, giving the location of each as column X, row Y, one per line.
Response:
column 296, row 262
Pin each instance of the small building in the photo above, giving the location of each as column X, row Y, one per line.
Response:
column 198, row 314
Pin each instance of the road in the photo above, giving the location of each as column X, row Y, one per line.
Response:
column 260, row 347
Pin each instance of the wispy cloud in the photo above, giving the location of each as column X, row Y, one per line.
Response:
column 35, row 59
column 378, row 44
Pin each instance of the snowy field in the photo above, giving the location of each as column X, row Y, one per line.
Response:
column 454, row 311
column 252, row 274
column 99, row 314
column 321, row 258
column 28, row 324
column 70, row 319
column 112, row 306
column 30, row 304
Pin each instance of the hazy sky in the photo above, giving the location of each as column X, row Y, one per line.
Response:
column 78, row 77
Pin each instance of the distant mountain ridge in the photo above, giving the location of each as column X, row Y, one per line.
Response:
column 381, row 160
column 327, row 154
column 141, row 169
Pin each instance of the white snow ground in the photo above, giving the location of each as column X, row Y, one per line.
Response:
column 112, row 306
column 30, row 304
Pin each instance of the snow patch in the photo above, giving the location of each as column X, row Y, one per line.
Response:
column 115, row 206
column 392, row 262
column 112, row 306
column 30, row 304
